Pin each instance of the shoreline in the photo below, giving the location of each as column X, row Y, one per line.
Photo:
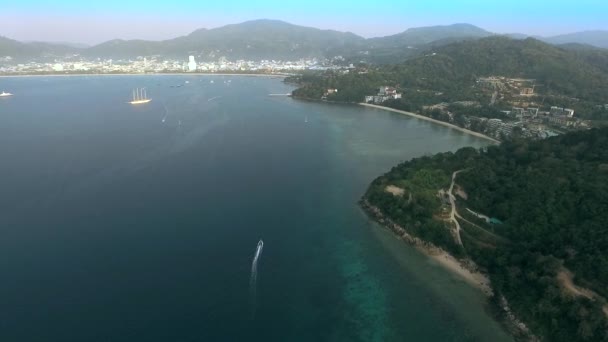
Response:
column 457, row 267
column 147, row 74
column 463, row 269
column 422, row 117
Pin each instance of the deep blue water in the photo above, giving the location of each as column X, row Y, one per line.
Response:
column 123, row 223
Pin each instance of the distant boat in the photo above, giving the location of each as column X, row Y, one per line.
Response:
column 5, row 94
column 306, row 120
column 139, row 96
column 211, row 82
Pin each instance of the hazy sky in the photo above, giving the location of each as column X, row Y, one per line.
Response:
column 97, row 21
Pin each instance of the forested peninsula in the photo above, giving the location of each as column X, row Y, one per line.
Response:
column 529, row 214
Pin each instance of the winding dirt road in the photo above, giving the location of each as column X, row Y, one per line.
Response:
column 454, row 213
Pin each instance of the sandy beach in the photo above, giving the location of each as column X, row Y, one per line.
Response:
column 422, row 117
column 464, row 269
column 453, row 265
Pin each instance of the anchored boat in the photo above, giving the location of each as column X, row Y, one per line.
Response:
column 139, row 96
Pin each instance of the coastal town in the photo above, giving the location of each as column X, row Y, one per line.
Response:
column 156, row 64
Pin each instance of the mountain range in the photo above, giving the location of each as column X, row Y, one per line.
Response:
column 273, row 39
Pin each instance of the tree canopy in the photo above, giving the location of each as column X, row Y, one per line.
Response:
column 551, row 197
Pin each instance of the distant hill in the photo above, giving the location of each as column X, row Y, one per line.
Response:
column 517, row 35
column 68, row 44
column 594, row 38
column 266, row 39
column 24, row 51
column 13, row 48
column 119, row 48
column 273, row 39
column 259, row 39
column 580, row 73
column 425, row 35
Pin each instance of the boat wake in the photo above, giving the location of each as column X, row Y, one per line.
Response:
column 213, row 98
column 166, row 113
column 254, row 277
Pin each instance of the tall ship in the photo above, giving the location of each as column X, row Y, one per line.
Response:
column 5, row 94
column 139, row 96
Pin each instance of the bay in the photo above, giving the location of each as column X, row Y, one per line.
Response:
column 123, row 223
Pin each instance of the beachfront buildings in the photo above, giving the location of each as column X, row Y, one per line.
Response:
column 385, row 93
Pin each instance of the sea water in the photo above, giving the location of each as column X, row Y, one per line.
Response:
column 123, row 223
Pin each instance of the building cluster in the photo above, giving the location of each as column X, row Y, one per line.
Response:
column 563, row 117
column 517, row 86
column 328, row 92
column 520, row 93
column 160, row 65
column 384, row 94
column 531, row 122
column 556, row 116
column 528, row 122
column 504, row 129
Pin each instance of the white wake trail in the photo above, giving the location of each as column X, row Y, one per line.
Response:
column 253, row 279
column 166, row 112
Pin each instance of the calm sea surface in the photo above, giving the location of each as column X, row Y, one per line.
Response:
column 140, row 223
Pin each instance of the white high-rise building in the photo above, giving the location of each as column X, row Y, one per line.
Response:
column 191, row 64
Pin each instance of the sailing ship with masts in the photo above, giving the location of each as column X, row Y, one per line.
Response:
column 139, row 96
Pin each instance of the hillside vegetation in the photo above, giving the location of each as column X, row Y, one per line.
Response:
column 571, row 78
column 557, row 70
column 551, row 197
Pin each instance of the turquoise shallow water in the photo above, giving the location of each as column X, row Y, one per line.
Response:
column 122, row 223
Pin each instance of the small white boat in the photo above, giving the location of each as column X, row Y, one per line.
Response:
column 5, row 94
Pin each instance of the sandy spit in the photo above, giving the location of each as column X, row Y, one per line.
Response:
column 422, row 117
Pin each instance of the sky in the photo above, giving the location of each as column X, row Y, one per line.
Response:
column 93, row 22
